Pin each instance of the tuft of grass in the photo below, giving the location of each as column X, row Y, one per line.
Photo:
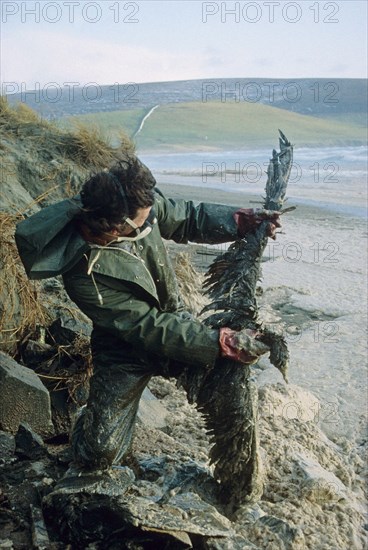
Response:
column 84, row 144
column 87, row 146
column 8, row 116
column 14, row 119
column 21, row 311
column 26, row 115
column 5, row 108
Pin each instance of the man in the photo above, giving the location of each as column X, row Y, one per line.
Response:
column 116, row 269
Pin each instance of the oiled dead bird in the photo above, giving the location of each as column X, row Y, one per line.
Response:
column 225, row 394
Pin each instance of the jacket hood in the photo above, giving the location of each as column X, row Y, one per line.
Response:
column 47, row 242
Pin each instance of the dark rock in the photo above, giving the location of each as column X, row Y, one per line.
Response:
column 34, row 353
column 65, row 330
column 174, row 476
column 94, row 515
column 7, row 446
column 65, row 456
column 23, row 398
column 40, row 536
column 104, row 509
column 52, row 285
column 112, row 482
column 28, row 443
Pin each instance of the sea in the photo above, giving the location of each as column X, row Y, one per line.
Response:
column 327, row 177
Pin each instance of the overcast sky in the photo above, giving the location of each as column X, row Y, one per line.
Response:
column 147, row 41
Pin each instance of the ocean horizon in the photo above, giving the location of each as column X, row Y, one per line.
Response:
column 332, row 178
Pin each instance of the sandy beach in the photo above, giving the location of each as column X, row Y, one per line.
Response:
column 314, row 283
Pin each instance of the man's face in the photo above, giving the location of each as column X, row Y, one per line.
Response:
column 140, row 218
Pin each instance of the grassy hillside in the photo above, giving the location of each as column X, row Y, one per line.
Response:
column 215, row 125
column 320, row 97
column 42, row 163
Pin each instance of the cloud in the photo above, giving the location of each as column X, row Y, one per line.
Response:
column 55, row 57
column 37, row 56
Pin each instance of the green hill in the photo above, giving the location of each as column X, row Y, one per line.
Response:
column 217, row 125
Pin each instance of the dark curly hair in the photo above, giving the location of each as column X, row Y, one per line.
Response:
column 109, row 196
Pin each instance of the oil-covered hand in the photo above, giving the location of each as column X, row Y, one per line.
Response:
column 248, row 219
column 243, row 346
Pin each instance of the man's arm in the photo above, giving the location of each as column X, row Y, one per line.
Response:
column 183, row 221
column 210, row 223
column 142, row 325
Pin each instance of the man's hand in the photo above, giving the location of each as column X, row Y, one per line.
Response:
column 243, row 346
column 248, row 219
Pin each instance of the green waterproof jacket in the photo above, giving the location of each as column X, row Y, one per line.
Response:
column 129, row 291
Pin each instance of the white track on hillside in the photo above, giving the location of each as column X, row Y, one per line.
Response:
column 144, row 120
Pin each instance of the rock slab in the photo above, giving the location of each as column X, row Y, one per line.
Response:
column 23, row 398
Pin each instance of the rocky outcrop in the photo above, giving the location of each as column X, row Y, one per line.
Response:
column 23, row 398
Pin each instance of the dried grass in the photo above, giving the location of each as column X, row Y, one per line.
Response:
column 86, row 146
column 21, row 310
column 13, row 119
column 78, row 357
column 5, row 109
column 26, row 115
